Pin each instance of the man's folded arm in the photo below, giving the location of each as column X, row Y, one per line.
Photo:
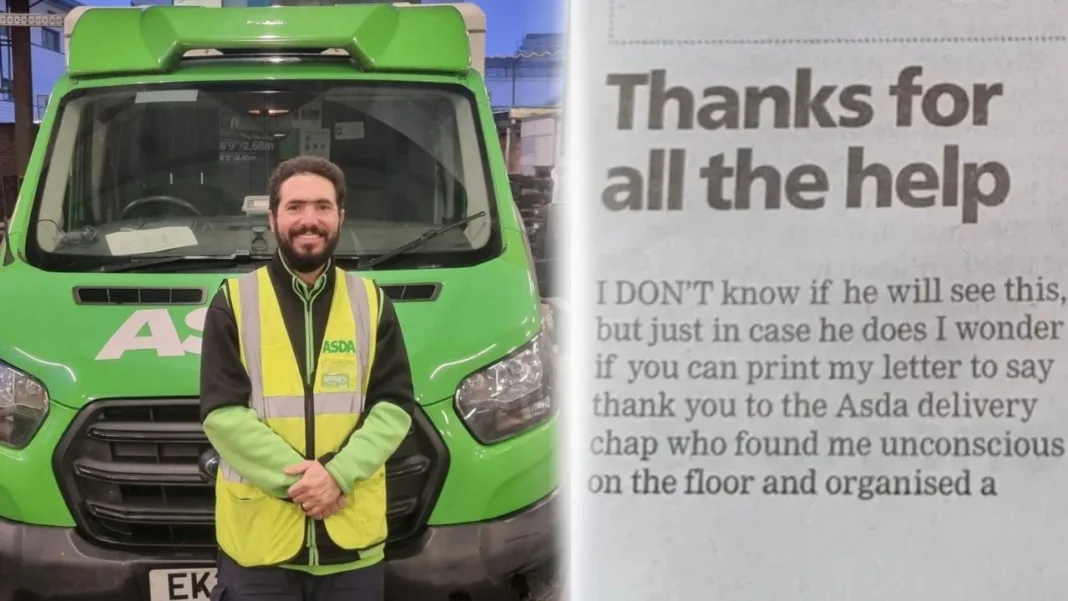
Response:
column 251, row 448
column 387, row 408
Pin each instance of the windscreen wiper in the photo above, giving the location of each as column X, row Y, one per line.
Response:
column 138, row 263
column 425, row 237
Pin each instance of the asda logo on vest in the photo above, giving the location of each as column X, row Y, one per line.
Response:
column 337, row 347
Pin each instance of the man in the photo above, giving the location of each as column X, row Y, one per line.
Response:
column 300, row 502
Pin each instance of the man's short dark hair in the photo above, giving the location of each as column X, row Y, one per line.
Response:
column 302, row 165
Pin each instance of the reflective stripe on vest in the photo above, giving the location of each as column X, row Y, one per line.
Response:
column 252, row 526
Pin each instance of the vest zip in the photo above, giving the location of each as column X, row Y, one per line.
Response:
column 308, row 297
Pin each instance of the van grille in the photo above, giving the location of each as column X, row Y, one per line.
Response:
column 129, row 472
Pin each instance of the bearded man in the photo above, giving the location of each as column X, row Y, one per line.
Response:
column 305, row 392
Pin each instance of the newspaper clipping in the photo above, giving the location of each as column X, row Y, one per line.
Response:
column 828, row 253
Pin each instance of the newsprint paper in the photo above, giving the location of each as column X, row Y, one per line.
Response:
column 828, row 271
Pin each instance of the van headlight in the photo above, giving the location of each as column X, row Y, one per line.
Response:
column 23, row 406
column 511, row 396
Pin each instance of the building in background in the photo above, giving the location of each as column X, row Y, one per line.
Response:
column 47, row 59
column 48, row 62
column 526, row 90
column 526, row 85
column 255, row 3
column 533, row 77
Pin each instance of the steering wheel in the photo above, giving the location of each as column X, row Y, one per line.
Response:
column 160, row 199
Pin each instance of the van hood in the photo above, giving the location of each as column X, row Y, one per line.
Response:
column 83, row 351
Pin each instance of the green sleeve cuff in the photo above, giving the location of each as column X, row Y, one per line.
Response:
column 252, row 449
column 371, row 446
column 343, row 482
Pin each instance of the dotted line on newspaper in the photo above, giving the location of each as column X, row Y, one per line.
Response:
column 1001, row 39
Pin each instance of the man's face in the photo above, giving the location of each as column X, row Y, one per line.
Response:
column 308, row 221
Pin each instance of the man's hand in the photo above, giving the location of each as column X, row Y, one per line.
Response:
column 316, row 492
column 321, row 514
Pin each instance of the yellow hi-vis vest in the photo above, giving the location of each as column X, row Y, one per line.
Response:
column 252, row 526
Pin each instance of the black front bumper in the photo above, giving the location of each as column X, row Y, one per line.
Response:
column 500, row 560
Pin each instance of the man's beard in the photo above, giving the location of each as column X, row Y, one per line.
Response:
column 303, row 262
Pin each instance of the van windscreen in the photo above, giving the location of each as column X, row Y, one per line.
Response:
column 165, row 171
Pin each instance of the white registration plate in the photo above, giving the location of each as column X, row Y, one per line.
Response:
column 189, row 584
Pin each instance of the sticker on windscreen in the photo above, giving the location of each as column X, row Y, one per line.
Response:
column 256, row 204
column 138, row 242
column 315, row 142
column 348, row 130
column 149, row 96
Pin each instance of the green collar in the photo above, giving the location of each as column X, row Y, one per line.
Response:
column 303, row 290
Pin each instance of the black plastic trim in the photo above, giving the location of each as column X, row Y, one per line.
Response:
column 389, row 289
column 123, row 472
column 137, row 295
column 9, row 257
column 497, row 560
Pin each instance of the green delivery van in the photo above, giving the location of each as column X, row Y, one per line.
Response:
column 147, row 186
